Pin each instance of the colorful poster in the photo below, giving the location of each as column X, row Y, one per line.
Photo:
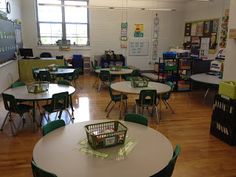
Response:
column 138, row 32
column 124, row 35
column 224, row 29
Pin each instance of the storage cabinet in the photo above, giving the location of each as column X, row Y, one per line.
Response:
column 223, row 122
column 177, row 69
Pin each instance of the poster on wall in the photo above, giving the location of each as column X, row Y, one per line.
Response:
column 138, row 31
column 224, row 29
column 204, row 49
column 124, row 35
column 199, row 28
column 138, row 47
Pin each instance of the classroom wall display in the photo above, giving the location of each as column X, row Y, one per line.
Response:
column 201, row 37
column 224, row 29
column 138, row 47
column 138, row 32
column 7, row 40
column 124, row 35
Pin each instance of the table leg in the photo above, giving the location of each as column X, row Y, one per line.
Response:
column 206, row 93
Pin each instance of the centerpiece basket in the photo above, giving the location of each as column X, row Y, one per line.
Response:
column 38, row 87
column 115, row 68
column 106, row 134
column 139, row 82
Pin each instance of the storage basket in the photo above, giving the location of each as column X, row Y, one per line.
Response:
column 38, row 87
column 106, row 134
column 139, row 82
column 228, row 88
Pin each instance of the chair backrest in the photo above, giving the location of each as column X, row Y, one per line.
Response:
column 148, row 97
column 44, row 76
column 45, row 55
column 60, row 101
column 53, row 125
column 63, row 82
column 17, row 84
column 60, row 57
column 38, row 172
column 136, row 118
column 168, row 170
column 166, row 96
column 10, row 102
column 105, row 75
column 135, row 73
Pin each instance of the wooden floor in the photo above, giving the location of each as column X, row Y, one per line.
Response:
column 202, row 154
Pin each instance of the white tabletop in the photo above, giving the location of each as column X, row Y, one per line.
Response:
column 206, row 78
column 22, row 93
column 59, row 153
column 125, row 87
column 59, row 71
column 120, row 72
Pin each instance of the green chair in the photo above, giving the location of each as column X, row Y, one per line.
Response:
column 168, row 170
column 116, row 98
column 17, row 84
column 59, row 103
column 45, row 76
column 39, row 172
column 12, row 106
column 147, row 98
column 136, row 118
column 73, row 77
column 105, row 78
column 135, row 73
column 53, row 125
column 65, row 82
column 166, row 96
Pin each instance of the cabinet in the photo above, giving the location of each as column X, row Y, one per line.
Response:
column 177, row 69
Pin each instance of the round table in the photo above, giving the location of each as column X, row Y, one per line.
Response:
column 58, row 72
column 21, row 93
column 206, row 79
column 58, row 152
column 123, row 71
column 125, row 87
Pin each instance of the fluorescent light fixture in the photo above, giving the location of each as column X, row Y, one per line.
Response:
column 109, row 7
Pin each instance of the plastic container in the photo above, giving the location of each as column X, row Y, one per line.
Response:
column 139, row 82
column 106, row 134
column 38, row 87
column 228, row 88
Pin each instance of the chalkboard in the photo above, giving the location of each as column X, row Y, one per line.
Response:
column 7, row 40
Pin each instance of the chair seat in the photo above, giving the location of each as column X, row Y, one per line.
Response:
column 118, row 97
column 23, row 108
column 146, row 102
column 49, row 108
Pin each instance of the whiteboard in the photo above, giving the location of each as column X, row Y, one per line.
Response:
column 139, row 47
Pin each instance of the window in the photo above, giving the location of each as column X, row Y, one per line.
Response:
column 63, row 20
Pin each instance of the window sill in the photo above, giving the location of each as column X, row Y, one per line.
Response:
column 54, row 47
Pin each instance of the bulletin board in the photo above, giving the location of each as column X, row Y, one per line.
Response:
column 7, row 40
column 139, row 47
column 201, row 37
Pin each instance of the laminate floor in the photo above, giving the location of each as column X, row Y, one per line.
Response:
column 202, row 154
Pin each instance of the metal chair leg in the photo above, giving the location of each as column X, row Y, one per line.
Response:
column 110, row 110
column 108, row 105
column 168, row 105
column 5, row 120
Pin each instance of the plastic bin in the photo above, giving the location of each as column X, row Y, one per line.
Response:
column 228, row 88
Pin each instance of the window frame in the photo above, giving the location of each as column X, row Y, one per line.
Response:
column 63, row 23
